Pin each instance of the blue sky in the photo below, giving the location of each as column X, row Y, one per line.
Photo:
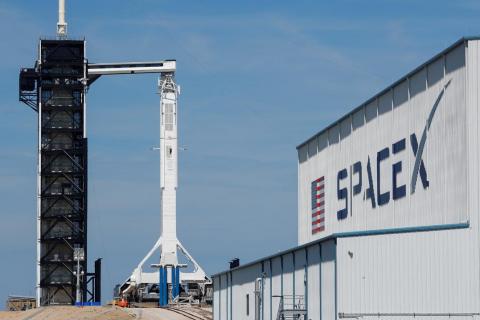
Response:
column 257, row 77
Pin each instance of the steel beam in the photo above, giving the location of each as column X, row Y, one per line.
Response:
column 131, row 67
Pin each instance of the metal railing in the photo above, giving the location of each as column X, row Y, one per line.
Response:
column 291, row 307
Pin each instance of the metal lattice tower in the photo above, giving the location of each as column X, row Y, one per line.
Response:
column 56, row 89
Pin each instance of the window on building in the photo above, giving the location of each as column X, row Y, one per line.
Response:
column 248, row 304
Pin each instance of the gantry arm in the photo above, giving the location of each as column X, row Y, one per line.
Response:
column 95, row 70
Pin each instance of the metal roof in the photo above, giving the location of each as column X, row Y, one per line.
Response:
column 19, row 297
column 408, row 75
column 349, row 234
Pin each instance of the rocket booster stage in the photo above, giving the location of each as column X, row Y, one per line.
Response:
column 168, row 169
column 168, row 244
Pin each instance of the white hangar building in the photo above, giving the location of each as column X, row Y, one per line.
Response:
column 388, row 210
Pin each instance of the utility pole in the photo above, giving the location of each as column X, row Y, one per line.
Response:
column 78, row 255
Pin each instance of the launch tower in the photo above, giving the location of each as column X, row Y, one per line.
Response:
column 56, row 89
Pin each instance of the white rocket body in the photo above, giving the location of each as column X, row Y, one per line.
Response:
column 168, row 171
column 168, row 243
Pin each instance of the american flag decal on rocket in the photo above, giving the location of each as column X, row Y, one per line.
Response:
column 318, row 205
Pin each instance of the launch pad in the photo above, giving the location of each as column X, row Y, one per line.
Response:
column 56, row 88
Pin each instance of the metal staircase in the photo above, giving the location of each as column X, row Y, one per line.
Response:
column 291, row 307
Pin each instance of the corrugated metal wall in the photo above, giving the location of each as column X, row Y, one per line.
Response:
column 423, row 272
column 328, row 280
column 428, row 275
column 392, row 272
column 290, row 274
column 391, row 117
column 428, row 272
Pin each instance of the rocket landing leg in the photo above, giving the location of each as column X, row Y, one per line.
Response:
column 167, row 275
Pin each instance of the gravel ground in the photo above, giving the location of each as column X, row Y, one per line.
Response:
column 166, row 314
column 98, row 313
column 60, row 313
column 155, row 314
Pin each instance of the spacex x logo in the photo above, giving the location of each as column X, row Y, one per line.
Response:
column 418, row 158
column 357, row 180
